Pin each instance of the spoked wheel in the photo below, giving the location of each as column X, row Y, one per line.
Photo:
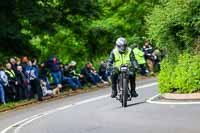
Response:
column 124, row 92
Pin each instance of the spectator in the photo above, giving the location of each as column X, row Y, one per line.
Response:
column 72, row 71
column 148, row 50
column 2, row 94
column 73, row 81
column 89, row 74
column 71, row 68
column 139, row 56
column 12, row 81
column 43, row 74
column 53, row 65
column 24, row 62
column 22, row 83
column 3, row 83
column 13, row 64
column 32, row 74
column 103, row 71
column 47, row 92
column 18, row 61
column 156, row 60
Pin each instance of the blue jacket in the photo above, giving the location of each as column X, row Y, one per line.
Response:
column 31, row 72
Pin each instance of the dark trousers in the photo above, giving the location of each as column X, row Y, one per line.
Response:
column 114, row 79
column 143, row 70
column 36, row 89
column 10, row 92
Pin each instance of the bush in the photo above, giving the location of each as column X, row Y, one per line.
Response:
column 182, row 77
column 175, row 24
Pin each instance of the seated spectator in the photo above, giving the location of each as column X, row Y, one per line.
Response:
column 148, row 50
column 139, row 56
column 32, row 74
column 46, row 91
column 53, row 65
column 72, row 71
column 90, row 74
column 44, row 74
column 70, row 79
column 12, row 90
column 103, row 71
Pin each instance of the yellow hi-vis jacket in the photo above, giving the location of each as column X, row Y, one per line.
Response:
column 121, row 58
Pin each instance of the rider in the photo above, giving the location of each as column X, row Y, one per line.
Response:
column 122, row 54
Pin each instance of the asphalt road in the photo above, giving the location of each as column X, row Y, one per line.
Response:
column 96, row 112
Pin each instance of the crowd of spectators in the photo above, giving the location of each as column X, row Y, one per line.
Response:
column 148, row 58
column 22, row 78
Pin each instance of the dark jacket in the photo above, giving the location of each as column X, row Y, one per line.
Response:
column 53, row 64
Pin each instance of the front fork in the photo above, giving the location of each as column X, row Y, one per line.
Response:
column 120, row 89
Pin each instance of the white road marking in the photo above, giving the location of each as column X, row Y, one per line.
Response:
column 151, row 100
column 28, row 120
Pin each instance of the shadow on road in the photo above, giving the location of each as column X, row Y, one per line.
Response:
column 137, row 103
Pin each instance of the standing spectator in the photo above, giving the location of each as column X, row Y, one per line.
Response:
column 3, row 83
column 53, row 65
column 139, row 56
column 24, row 62
column 13, row 64
column 156, row 60
column 32, row 74
column 18, row 61
column 12, row 81
column 22, row 83
column 2, row 94
column 148, row 50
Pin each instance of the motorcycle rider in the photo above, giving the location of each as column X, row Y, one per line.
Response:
column 122, row 54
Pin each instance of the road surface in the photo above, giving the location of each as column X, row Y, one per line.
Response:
column 96, row 112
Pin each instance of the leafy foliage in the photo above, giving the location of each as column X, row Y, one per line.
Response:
column 175, row 24
column 183, row 77
column 80, row 30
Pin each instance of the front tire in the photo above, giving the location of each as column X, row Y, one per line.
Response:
column 124, row 92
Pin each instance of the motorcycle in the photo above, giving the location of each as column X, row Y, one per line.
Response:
column 123, row 88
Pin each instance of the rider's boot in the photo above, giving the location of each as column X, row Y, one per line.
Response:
column 133, row 91
column 114, row 85
column 114, row 91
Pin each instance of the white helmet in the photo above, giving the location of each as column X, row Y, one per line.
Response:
column 121, row 44
column 73, row 63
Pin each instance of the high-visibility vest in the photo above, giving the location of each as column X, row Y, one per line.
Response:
column 139, row 56
column 11, row 73
column 123, row 58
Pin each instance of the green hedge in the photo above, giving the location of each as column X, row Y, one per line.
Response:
column 180, row 77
